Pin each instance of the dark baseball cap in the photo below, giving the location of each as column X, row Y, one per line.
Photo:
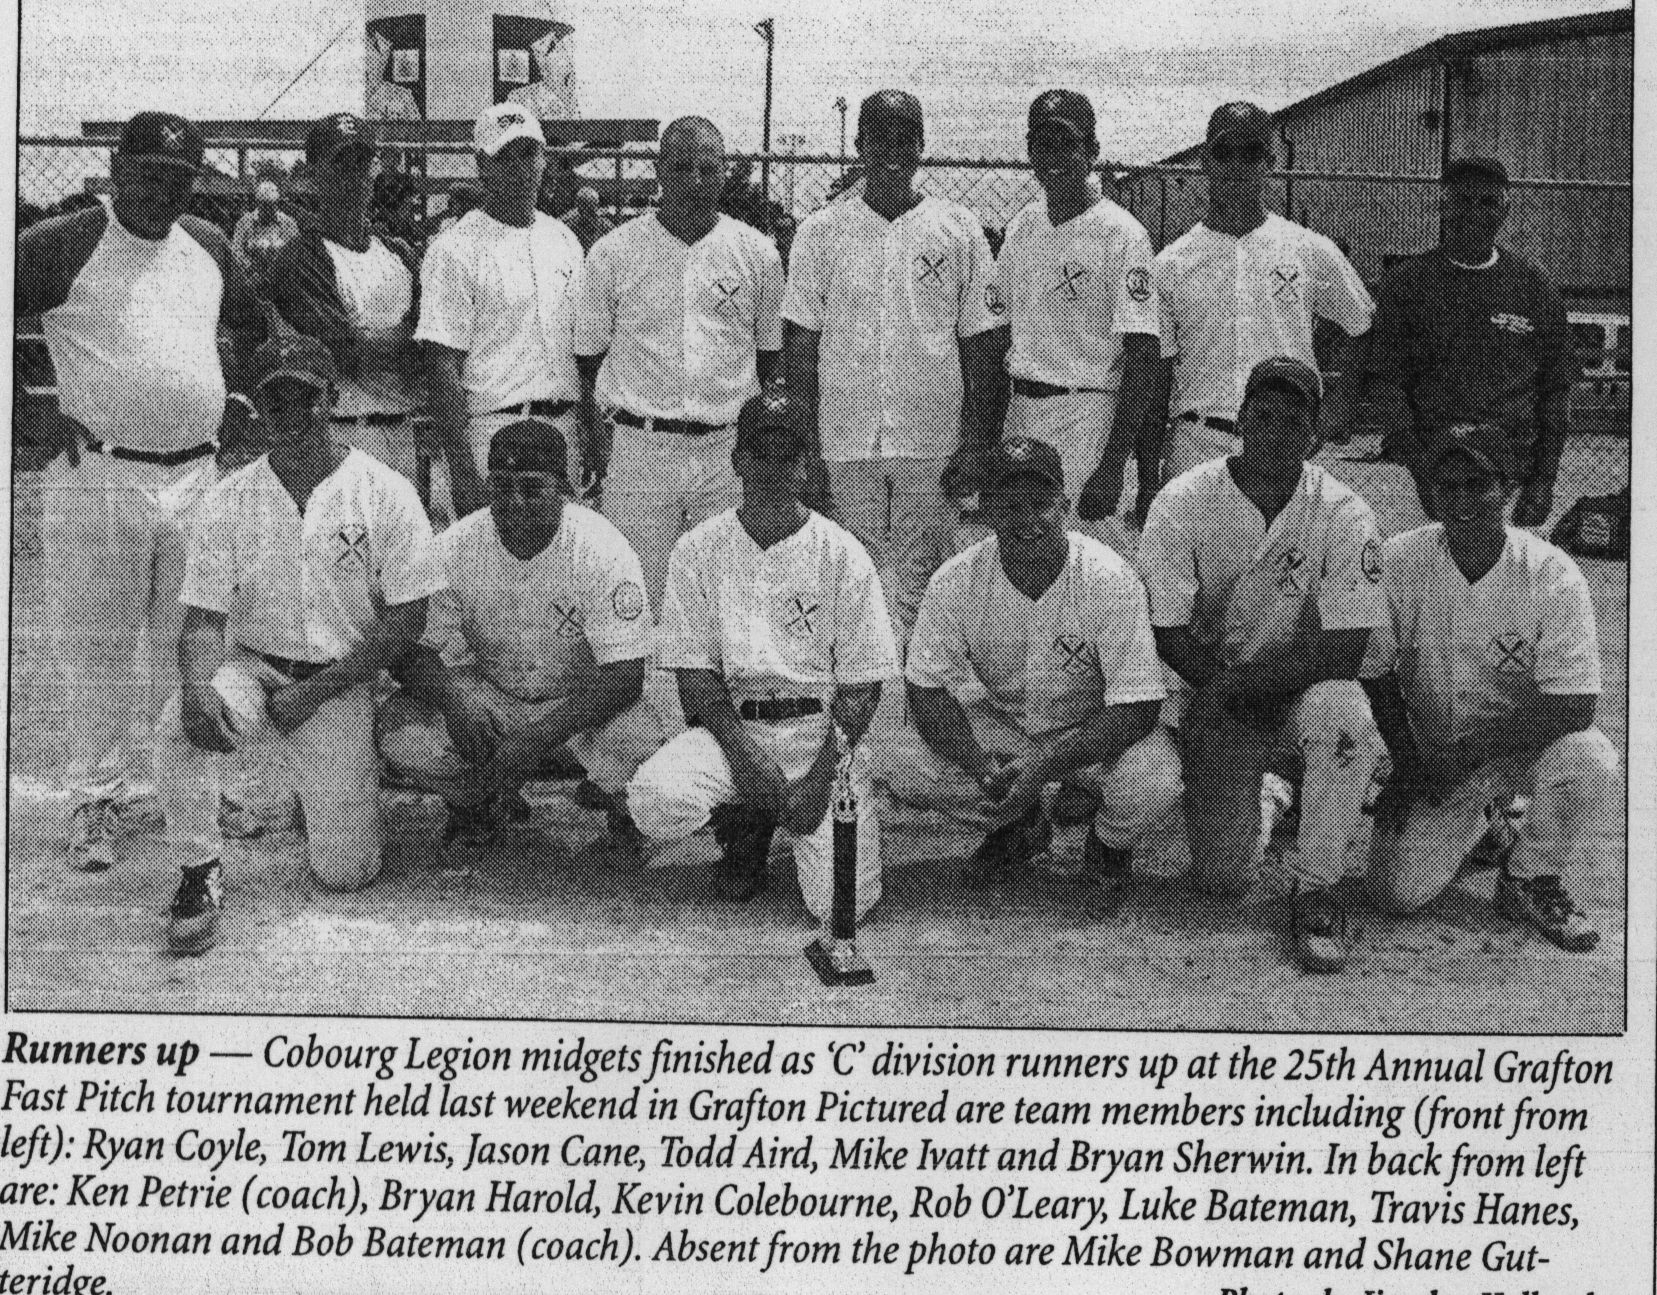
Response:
column 771, row 411
column 338, row 131
column 1484, row 443
column 161, row 137
column 1475, row 168
column 1065, row 110
column 891, row 107
column 528, row 445
column 1286, row 373
column 1021, row 456
column 292, row 355
column 1240, row 121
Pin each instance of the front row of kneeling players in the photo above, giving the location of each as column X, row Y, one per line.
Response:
column 523, row 632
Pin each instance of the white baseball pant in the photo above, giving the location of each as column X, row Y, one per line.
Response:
column 1331, row 726
column 1191, row 444
column 414, row 738
column 676, row 791
column 898, row 511
column 329, row 761
column 1077, row 424
column 1569, row 826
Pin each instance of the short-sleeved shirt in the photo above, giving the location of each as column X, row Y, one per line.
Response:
column 1473, row 344
column 1228, row 303
column 1050, row 663
column 1254, row 592
column 539, row 627
column 792, row 620
column 306, row 586
column 1469, row 655
column 506, row 297
column 891, row 299
column 679, row 324
column 1073, row 291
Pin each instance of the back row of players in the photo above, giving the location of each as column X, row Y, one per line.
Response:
column 313, row 568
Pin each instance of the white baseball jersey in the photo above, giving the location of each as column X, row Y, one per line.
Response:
column 538, row 627
column 1469, row 655
column 1250, row 591
column 679, row 323
column 506, row 297
column 891, row 299
column 1228, row 303
column 1085, row 644
column 305, row 586
column 377, row 291
column 793, row 620
column 1073, row 291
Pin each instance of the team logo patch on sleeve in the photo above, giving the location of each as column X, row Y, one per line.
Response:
column 1139, row 284
column 993, row 301
column 1371, row 561
column 627, row 601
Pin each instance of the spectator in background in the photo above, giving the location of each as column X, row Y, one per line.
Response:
column 783, row 230
column 462, row 199
column 585, row 219
column 263, row 232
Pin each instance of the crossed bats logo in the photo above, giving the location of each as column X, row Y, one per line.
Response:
column 1285, row 283
column 1291, row 565
column 930, row 267
column 800, row 615
column 1512, row 652
column 351, row 541
column 1071, row 275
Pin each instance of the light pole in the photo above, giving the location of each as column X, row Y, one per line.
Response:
column 790, row 144
column 767, row 29
column 840, row 107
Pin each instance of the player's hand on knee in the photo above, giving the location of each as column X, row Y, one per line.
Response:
column 203, row 718
column 290, row 706
column 473, row 726
column 1016, row 785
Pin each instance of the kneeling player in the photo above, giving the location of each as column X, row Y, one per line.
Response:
column 1055, row 627
column 538, row 644
column 1484, row 679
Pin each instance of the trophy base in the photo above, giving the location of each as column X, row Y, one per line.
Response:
column 837, row 962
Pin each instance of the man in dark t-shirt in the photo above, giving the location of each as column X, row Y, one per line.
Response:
column 1472, row 332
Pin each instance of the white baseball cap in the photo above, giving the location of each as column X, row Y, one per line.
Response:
column 267, row 191
column 500, row 125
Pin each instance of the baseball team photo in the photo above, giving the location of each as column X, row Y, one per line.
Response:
column 908, row 516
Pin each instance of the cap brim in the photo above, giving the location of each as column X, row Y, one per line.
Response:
column 1043, row 125
column 166, row 159
column 1023, row 474
column 298, row 375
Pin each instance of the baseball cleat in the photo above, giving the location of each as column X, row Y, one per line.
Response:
column 1006, row 849
column 1106, row 876
column 193, row 927
column 92, row 826
column 742, row 871
column 1547, row 905
column 1318, row 929
column 239, row 822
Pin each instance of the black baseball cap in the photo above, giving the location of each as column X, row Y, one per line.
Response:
column 1484, row 443
column 333, row 134
column 1240, row 121
column 292, row 355
column 891, row 107
column 1480, row 168
column 161, row 137
column 1286, row 373
column 528, row 445
column 1022, row 456
column 1066, row 110
column 771, row 411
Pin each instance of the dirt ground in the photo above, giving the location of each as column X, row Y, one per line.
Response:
column 557, row 924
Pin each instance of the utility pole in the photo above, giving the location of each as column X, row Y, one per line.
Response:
column 767, row 30
column 840, row 107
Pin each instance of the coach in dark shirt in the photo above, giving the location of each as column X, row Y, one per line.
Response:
column 1471, row 332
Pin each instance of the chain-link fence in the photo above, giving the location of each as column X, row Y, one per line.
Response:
column 1579, row 232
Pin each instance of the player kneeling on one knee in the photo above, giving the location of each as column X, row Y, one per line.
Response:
column 1484, row 679
column 775, row 623
column 1265, row 582
column 538, row 644
column 1054, row 625
column 307, row 573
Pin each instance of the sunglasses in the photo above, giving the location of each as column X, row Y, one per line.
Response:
column 528, row 486
column 1249, row 153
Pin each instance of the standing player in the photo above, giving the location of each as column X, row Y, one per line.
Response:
column 131, row 297
column 1484, row 677
column 892, row 308
column 777, row 628
column 354, row 291
column 308, row 574
column 1055, row 627
column 1470, row 332
column 1265, row 584
column 496, row 302
column 678, row 326
column 1242, row 286
column 540, row 640
column 1075, row 272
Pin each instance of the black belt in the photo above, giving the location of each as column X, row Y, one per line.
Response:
column 539, row 408
column 680, row 426
column 1216, row 424
column 168, row 460
column 775, row 710
column 298, row 671
column 372, row 420
column 1040, row 390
